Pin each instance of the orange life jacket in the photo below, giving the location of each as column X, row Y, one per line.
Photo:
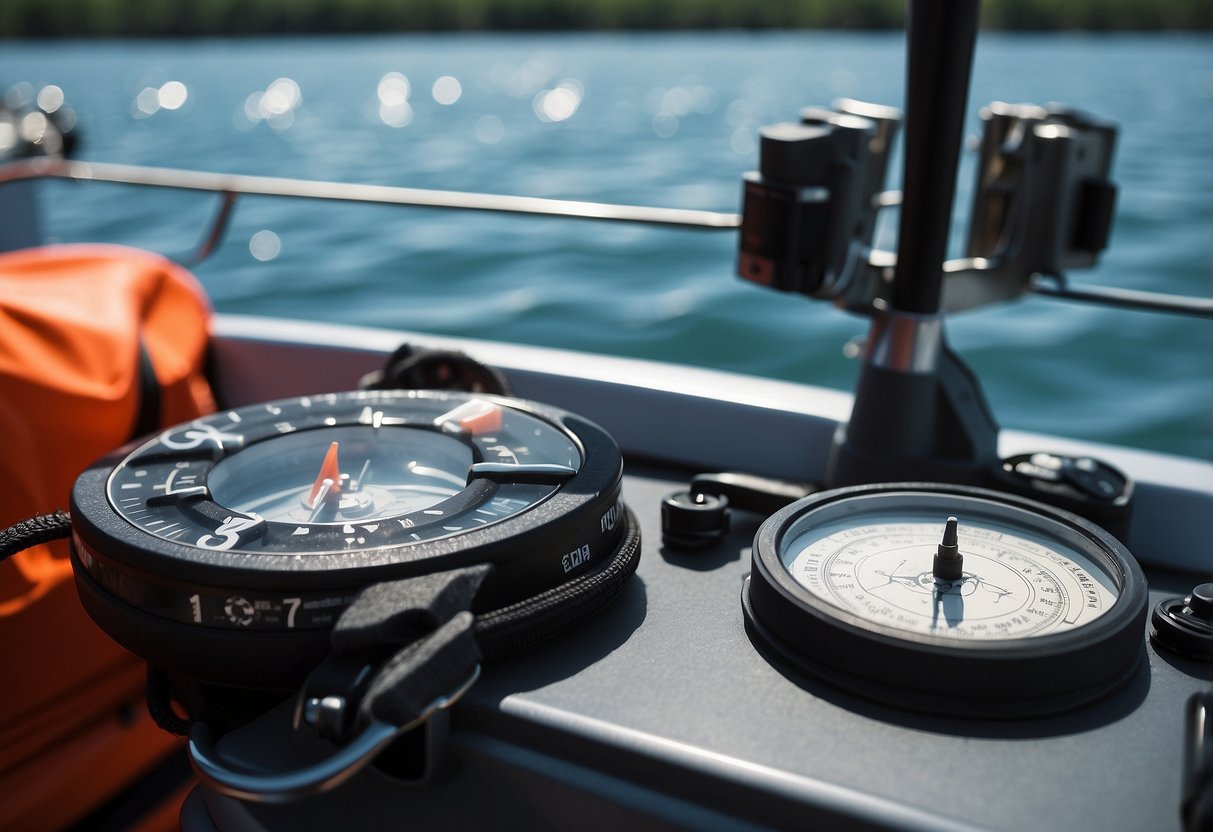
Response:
column 97, row 343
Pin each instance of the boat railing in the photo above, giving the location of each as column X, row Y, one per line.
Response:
column 232, row 186
column 973, row 282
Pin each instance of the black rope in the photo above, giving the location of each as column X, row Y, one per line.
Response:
column 512, row 629
column 160, row 704
column 32, row 532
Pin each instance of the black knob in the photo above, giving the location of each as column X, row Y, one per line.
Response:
column 693, row 520
column 1185, row 625
column 1200, row 602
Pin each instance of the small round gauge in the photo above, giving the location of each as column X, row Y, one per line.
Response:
column 947, row 599
column 270, row 518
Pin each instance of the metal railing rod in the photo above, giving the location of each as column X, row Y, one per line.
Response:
column 346, row 192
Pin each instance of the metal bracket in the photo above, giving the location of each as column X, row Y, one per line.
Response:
column 281, row 787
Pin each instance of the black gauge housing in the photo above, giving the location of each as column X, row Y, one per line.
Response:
column 215, row 549
column 877, row 657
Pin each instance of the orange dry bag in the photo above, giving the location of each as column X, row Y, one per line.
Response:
column 98, row 345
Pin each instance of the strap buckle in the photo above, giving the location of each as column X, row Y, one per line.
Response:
column 423, row 678
column 282, row 787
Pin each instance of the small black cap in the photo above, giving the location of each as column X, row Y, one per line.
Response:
column 693, row 521
column 1185, row 625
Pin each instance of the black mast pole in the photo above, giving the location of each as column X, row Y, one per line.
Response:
column 939, row 59
column 919, row 412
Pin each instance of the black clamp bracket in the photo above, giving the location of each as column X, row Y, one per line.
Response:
column 1043, row 203
column 404, row 652
column 809, row 212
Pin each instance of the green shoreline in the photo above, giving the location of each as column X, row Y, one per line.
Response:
column 173, row 18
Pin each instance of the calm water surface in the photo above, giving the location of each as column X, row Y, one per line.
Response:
column 647, row 119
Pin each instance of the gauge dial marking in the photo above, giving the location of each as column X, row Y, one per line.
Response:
column 889, row 572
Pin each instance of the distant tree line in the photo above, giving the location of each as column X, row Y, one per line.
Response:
column 190, row 18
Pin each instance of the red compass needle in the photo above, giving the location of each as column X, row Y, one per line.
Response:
column 330, row 472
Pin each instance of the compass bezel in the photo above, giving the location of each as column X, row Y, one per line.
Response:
column 138, row 584
column 1019, row 676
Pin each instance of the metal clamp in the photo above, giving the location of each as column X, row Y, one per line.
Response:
column 315, row 779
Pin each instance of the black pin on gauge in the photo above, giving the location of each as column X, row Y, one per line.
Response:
column 226, row 548
column 947, row 599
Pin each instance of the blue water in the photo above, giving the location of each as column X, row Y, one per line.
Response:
column 665, row 120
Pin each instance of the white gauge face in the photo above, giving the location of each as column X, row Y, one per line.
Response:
column 1012, row 584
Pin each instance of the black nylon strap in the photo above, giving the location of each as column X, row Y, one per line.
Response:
column 398, row 612
column 517, row 627
column 404, row 644
column 431, row 668
column 397, row 648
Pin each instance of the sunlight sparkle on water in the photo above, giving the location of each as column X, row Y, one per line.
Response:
column 393, row 92
column 172, row 94
column 50, row 98
column 447, row 90
column 281, row 97
column 393, row 89
column 265, row 245
column 559, row 104
column 275, row 105
column 147, row 103
column 396, row 115
column 33, row 127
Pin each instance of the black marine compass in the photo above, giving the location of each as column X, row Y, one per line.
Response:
column 227, row 548
column 947, row 599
